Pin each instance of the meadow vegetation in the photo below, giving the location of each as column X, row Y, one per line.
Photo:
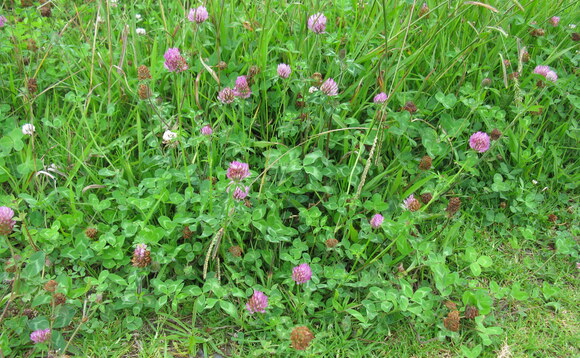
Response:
column 279, row 178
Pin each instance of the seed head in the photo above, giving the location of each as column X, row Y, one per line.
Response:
column 495, row 134
column 411, row 203
column 235, row 251
column 222, row 65
column 410, row 107
column 453, row 206
column 58, row 299
column 143, row 73
column 425, row 163
column 50, row 286
column 330, row 243
column 186, row 233
column 471, row 312
column 141, row 256
column 423, row 11
column 91, row 232
column 452, row 321
column 552, row 218
column 486, row 82
column 32, row 85
column 144, row 91
column 301, row 337
column 426, row 198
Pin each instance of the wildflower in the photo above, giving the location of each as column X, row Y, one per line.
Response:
column 453, row 206
column 575, row 36
column 2, row 20
column 198, row 15
column 50, row 285
column 377, row 221
column 257, row 303
column 28, row 129
column 451, row 322
column 242, row 89
column 45, row 9
column 138, row 17
column 301, row 337
column 410, row 107
column 479, row 141
column 226, row 96
column 32, row 86
column 238, row 171
column 284, row 70
column 555, row 20
column 552, row 218
column 235, row 251
column 495, row 134
column 6, row 222
column 91, row 232
column 329, row 87
column 546, row 72
column 168, row 136
column 144, row 91
column 141, row 256
column 424, row 10
column 302, row 273
column 330, row 243
column 174, row 62
column 186, row 233
column 141, row 31
column 40, row 335
column 425, row 163
column 381, row 98
column 240, row 193
column 471, row 312
column 411, row 203
column 537, row 32
column 253, row 71
column 206, row 130
column 317, row 77
column 58, row 299
column 312, row 89
column 222, row 65
column 426, row 198
column 317, row 23
column 143, row 73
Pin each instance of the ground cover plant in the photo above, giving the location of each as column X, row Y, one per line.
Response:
column 275, row 178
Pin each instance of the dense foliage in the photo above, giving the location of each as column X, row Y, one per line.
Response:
column 256, row 178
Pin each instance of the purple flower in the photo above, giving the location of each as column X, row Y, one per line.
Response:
column 301, row 273
column 411, row 203
column 377, row 221
column 257, row 303
column 381, row 98
column 174, row 62
column 198, row 15
column 140, row 250
column 238, row 171
column 40, row 335
column 241, row 193
column 545, row 71
column 6, row 222
column 226, row 96
column 284, row 70
column 479, row 141
column 555, row 20
column 206, row 130
column 242, row 89
column 2, row 20
column 329, row 87
column 317, row 23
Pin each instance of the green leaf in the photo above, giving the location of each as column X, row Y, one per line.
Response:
column 475, row 269
column 485, row 261
column 229, row 308
column 35, row 265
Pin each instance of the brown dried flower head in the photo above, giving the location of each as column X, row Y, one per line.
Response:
column 301, row 337
column 31, row 45
column 426, row 198
column 222, row 65
column 235, row 251
column 30, row 313
column 51, row 285
column 410, row 107
column 424, row 10
column 141, row 256
column 143, row 73
column 495, row 134
column 471, row 312
column 425, row 163
column 144, row 91
column 453, row 206
column 552, row 218
column 32, row 86
column 187, row 233
column 537, row 32
column 330, row 243
column 58, row 299
column 253, row 71
column 91, row 232
column 575, row 36
column 317, row 77
column 486, row 82
column 452, row 321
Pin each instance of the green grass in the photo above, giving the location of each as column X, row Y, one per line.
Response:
column 318, row 171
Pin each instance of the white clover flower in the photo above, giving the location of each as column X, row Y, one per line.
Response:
column 313, row 89
column 140, row 31
column 138, row 17
column 28, row 129
column 168, row 136
column 100, row 19
column 113, row 3
column 572, row 26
